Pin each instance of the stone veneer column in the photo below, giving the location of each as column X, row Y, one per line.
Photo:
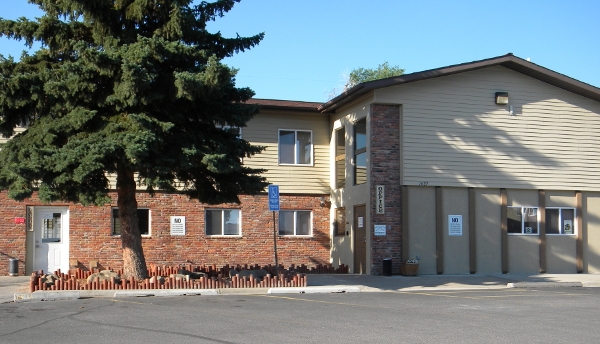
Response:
column 385, row 170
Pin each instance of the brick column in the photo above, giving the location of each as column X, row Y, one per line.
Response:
column 385, row 170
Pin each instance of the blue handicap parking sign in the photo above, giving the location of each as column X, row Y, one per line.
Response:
column 274, row 197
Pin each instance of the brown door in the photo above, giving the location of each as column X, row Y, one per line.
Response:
column 360, row 240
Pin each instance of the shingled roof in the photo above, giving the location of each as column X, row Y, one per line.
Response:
column 285, row 105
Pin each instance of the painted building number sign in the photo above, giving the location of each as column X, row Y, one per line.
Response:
column 177, row 225
column 455, row 225
column 380, row 199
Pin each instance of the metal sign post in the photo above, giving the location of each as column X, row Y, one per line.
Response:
column 274, row 206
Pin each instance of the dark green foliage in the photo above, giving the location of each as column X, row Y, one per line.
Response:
column 124, row 84
column 384, row 70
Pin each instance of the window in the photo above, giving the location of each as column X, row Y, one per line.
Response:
column 52, row 227
column 143, row 218
column 235, row 130
column 523, row 220
column 297, row 222
column 340, row 158
column 339, row 226
column 560, row 221
column 295, row 147
column 360, row 152
column 223, row 222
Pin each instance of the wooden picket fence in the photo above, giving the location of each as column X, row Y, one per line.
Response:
column 214, row 278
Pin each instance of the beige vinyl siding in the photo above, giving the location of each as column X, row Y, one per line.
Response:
column 263, row 130
column 3, row 140
column 455, row 135
column 591, row 232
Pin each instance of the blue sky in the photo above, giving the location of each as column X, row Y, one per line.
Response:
column 311, row 45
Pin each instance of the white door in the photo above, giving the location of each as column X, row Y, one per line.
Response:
column 51, row 231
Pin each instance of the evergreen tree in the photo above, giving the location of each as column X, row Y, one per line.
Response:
column 132, row 88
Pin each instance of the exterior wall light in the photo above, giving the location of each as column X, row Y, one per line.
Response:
column 501, row 98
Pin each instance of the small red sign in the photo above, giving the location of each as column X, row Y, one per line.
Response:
column 19, row 220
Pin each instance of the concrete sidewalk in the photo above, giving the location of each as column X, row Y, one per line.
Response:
column 18, row 286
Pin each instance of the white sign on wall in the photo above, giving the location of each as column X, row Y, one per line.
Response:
column 380, row 230
column 380, row 199
column 455, row 225
column 177, row 225
column 361, row 222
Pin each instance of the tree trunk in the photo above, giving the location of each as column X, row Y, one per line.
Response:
column 134, row 263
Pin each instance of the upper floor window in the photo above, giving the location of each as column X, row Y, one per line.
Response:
column 523, row 220
column 143, row 218
column 223, row 222
column 360, row 151
column 235, row 130
column 340, row 158
column 295, row 147
column 560, row 221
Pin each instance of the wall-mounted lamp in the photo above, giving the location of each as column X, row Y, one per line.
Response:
column 501, row 98
column 322, row 201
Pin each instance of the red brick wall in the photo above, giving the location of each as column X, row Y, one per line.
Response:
column 12, row 235
column 91, row 239
column 385, row 170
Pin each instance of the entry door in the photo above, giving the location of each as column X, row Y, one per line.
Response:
column 51, row 239
column 360, row 240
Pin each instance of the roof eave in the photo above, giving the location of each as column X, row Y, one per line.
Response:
column 509, row 61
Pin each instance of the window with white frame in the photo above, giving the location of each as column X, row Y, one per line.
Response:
column 235, row 130
column 560, row 221
column 295, row 222
column 143, row 221
column 223, row 222
column 295, row 147
column 523, row 220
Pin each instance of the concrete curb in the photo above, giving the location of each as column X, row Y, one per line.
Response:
column 47, row 296
column 544, row 284
column 79, row 294
column 314, row 290
column 82, row 294
column 164, row 292
column 243, row 291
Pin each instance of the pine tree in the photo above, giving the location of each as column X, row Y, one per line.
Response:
column 132, row 88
